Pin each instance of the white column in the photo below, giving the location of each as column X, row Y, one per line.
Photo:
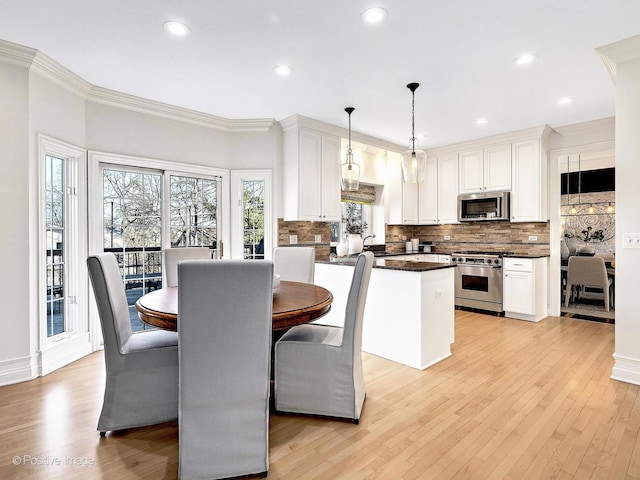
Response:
column 623, row 62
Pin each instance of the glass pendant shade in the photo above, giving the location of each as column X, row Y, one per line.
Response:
column 414, row 164
column 350, row 174
column 350, row 169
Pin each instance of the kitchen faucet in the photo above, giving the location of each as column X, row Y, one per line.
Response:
column 368, row 236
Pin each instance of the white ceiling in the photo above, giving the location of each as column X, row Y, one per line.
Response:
column 460, row 51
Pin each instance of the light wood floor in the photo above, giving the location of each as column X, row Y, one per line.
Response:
column 517, row 400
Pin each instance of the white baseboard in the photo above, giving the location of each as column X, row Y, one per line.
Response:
column 64, row 352
column 626, row 369
column 16, row 370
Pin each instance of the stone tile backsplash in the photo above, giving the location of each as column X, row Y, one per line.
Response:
column 481, row 236
column 484, row 236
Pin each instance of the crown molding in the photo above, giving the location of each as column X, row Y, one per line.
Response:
column 52, row 70
column 584, row 128
column 37, row 62
column 112, row 98
column 619, row 52
column 15, row 54
column 542, row 132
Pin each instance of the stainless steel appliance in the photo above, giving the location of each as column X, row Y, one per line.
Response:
column 477, row 207
column 478, row 280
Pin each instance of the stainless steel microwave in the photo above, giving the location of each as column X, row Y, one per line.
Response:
column 477, row 207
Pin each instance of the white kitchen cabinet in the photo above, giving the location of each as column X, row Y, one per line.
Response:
column 448, row 189
column 428, row 194
column 529, row 181
column 525, row 288
column 486, row 169
column 311, row 175
column 433, row 201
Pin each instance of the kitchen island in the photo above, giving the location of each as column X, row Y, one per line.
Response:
column 409, row 317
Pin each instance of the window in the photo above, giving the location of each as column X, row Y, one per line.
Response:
column 194, row 212
column 252, row 225
column 142, row 206
column 55, row 243
column 63, row 326
column 132, row 223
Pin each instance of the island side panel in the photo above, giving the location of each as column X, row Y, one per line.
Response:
column 438, row 315
column 391, row 326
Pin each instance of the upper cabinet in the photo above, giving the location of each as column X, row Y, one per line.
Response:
column 486, row 169
column 433, row 201
column 529, row 181
column 311, row 175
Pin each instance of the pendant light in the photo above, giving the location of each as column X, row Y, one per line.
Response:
column 414, row 163
column 350, row 169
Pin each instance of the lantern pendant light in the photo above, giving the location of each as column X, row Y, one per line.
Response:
column 350, row 169
column 414, row 162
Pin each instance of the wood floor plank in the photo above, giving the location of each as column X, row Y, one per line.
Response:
column 516, row 400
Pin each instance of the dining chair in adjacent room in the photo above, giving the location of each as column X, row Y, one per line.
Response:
column 295, row 264
column 588, row 272
column 174, row 255
column 141, row 368
column 318, row 368
column 224, row 327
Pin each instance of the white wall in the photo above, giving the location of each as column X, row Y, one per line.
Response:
column 14, row 211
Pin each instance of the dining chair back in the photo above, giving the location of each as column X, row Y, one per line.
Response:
column 141, row 386
column 172, row 256
column 588, row 272
column 318, row 368
column 224, row 326
column 295, row 264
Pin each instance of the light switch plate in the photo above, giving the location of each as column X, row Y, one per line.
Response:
column 293, row 239
column 533, row 238
column 447, row 237
column 631, row 240
column 318, row 238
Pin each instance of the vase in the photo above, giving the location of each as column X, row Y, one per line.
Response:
column 355, row 243
column 564, row 250
column 342, row 248
column 572, row 244
column 586, row 251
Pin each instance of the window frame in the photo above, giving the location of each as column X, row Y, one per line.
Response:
column 237, row 220
column 97, row 159
column 73, row 342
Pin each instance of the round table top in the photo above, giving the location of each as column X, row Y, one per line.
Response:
column 294, row 303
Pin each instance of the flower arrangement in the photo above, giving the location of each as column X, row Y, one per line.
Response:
column 589, row 235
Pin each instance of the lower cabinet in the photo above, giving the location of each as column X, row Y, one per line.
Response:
column 525, row 288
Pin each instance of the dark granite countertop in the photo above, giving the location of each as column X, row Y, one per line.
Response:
column 389, row 263
column 525, row 255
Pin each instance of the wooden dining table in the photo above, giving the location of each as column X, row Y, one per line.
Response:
column 294, row 303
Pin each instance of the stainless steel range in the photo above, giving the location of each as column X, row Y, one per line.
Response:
column 479, row 280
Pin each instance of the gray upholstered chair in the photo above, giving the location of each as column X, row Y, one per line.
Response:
column 142, row 368
column 295, row 264
column 588, row 272
column 318, row 368
column 174, row 255
column 224, row 326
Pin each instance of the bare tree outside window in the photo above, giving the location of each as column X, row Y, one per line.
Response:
column 55, row 244
column 253, row 218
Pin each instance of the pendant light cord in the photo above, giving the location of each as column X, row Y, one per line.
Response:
column 413, row 87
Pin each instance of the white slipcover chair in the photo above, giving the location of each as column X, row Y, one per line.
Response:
column 318, row 368
column 142, row 368
column 295, row 264
column 588, row 272
column 224, row 326
column 174, row 255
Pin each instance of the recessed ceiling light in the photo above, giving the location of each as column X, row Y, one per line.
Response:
column 176, row 28
column 525, row 59
column 374, row 15
column 481, row 121
column 565, row 101
column 283, row 70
